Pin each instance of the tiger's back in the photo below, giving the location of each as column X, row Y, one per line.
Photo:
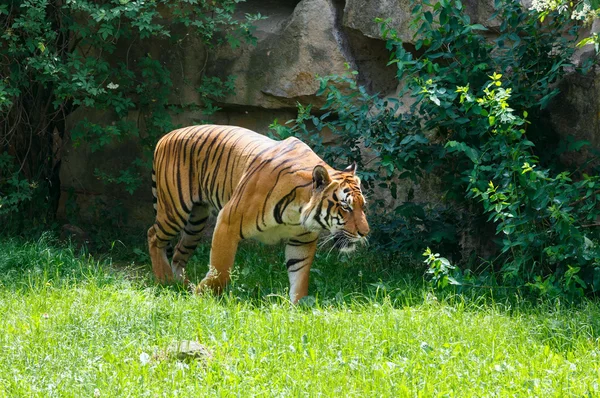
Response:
column 204, row 165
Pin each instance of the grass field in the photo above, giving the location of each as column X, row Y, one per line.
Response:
column 74, row 326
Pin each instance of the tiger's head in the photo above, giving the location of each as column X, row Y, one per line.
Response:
column 337, row 205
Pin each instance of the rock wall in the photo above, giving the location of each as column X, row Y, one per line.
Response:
column 299, row 40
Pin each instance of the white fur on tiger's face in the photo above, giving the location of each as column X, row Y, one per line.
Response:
column 338, row 207
column 261, row 188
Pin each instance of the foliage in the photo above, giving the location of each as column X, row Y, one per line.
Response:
column 581, row 10
column 62, row 56
column 76, row 325
column 439, row 268
column 465, row 128
column 16, row 190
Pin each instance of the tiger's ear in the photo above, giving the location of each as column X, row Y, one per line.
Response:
column 351, row 168
column 320, row 177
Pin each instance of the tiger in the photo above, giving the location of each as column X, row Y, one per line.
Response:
column 260, row 189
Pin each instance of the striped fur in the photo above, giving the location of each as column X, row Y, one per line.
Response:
column 262, row 189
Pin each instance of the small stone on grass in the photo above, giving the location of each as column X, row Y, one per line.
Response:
column 189, row 349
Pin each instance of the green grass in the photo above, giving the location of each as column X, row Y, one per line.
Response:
column 71, row 324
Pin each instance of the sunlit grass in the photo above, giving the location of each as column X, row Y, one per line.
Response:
column 76, row 326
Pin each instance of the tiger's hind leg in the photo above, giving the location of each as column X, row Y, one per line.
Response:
column 190, row 236
column 171, row 216
column 157, row 245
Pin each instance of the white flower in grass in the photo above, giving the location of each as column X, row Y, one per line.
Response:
column 112, row 86
column 181, row 365
column 426, row 347
column 144, row 358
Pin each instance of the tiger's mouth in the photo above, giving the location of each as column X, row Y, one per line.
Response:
column 349, row 248
column 344, row 242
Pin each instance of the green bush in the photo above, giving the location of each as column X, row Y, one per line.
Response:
column 474, row 127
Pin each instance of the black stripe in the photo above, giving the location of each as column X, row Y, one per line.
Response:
column 257, row 168
column 199, row 222
column 294, row 261
column 191, row 166
column 163, row 231
column 241, row 224
column 192, row 233
column 231, row 169
column 328, row 211
column 297, row 269
column 173, row 223
column 214, row 186
column 294, row 242
column 162, row 240
column 318, row 215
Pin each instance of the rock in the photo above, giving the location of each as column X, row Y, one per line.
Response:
column 586, row 53
column 76, row 235
column 281, row 69
column 481, row 12
column 574, row 111
column 361, row 14
column 189, row 349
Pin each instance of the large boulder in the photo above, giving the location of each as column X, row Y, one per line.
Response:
column 481, row 12
column 360, row 15
column 281, row 69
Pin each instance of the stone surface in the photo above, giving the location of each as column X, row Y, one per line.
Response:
column 75, row 235
column 281, row 69
column 360, row 15
column 189, row 349
column 481, row 12
column 574, row 112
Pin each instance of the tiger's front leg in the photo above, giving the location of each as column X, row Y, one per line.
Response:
column 222, row 255
column 299, row 255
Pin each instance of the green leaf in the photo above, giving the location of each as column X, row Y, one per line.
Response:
column 478, row 27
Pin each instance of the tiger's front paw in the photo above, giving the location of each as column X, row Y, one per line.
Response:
column 210, row 284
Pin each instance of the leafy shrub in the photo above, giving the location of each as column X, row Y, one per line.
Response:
column 473, row 125
column 60, row 56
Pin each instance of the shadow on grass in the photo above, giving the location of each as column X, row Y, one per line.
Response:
column 259, row 271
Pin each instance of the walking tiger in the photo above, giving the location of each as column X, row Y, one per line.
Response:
column 261, row 188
